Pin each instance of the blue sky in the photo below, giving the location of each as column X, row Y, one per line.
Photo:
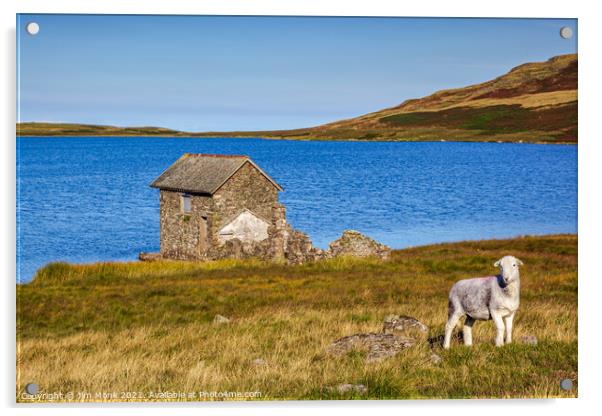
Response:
column 202, row 73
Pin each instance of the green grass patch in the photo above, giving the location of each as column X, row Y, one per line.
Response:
column 491, row 120
column 133, row 325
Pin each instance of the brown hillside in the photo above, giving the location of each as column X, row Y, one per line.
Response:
column 533, row 102
column 557, row 74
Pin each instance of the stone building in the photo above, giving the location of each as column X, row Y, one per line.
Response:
column 207, row 200
column 221, row 206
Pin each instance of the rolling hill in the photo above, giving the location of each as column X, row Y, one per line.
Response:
column 533, row 102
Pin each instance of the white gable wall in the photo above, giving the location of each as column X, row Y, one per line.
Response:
column 246, row 227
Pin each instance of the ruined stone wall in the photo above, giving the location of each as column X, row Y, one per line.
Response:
column 353, row 243
column 194, row 235
column 248, row 188
column 180, row 236
column 278, row 233
column 180, row 231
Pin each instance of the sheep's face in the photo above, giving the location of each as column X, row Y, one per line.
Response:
column 509, row 268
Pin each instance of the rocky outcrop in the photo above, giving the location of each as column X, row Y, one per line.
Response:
column 149, row 256
column 354, row 243
column 220, row 320
column 399, row 332
column 347, row 388
column 405, row 326
column 528, row 339
column 378, row 346
column 435, row 358
column 259, row 362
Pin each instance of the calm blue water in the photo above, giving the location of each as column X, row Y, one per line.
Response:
column 88, row 199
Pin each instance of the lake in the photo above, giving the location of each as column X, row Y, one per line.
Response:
column 88, row 199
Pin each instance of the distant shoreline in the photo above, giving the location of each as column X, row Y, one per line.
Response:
column 535, row 102
column 299, row 139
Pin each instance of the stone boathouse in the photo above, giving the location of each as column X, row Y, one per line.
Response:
column 226, row 206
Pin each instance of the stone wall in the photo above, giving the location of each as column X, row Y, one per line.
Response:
column 288, row 244
column 180, row 231
column 283, row 244
column 245, row 227
column 194, row 235
column 354, row 243
column 248, row 188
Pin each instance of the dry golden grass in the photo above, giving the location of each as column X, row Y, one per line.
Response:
column 205, row 357
column 307, row 308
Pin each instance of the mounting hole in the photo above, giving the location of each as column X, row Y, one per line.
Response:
column 566, row 384
column 566, row 32
column 32, row 28
column 32, row 388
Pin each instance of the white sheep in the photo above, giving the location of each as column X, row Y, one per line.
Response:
column 484, row 298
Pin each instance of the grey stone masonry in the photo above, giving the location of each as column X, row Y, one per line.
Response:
column 223, row 206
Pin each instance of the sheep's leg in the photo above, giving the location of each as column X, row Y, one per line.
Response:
column 452, row 321
column 508, row 320
column 499, row 326
column 467, row 330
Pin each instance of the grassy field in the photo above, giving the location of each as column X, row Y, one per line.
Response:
column 136, row 328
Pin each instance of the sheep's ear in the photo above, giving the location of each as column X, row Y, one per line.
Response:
column 520, row 263
column 497, row 263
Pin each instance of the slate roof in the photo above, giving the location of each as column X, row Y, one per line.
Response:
column 202, row 173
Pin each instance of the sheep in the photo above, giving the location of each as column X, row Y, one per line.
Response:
column 484, row 298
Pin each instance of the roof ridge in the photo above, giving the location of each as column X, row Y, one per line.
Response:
column 215, row 155
column 204, row 173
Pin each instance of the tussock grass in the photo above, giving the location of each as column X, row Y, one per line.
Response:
column 142, row 327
